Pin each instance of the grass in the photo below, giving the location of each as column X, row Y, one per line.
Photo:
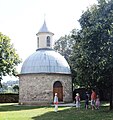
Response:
column 13, row 112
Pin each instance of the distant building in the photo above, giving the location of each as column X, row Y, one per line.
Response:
column 11, row 82
column 44, row 73
column 7, row 86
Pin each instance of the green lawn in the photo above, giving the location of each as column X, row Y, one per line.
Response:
column 13, row 112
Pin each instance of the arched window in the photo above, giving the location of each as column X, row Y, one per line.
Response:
column 37, row 42
column 48, row 41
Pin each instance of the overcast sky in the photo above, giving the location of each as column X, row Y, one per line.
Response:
column 22, row 19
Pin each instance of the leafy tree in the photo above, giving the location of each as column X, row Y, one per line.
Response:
column 16, row 88
column 92, row 57
column 4, row 88
column 9, row 59
column 64, row 45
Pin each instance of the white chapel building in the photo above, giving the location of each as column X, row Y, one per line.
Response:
column 45, row 73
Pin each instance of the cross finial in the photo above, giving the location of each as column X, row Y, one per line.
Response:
column 44, row 16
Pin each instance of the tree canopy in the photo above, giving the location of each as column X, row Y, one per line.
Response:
column 16, row 88
column 93, row 52
column 64, row 45
column 9, row 59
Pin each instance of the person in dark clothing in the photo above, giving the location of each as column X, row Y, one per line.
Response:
column 86, row 100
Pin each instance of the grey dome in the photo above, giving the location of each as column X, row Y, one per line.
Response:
column 45, row 61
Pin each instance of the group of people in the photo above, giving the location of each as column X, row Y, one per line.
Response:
column 95, row 100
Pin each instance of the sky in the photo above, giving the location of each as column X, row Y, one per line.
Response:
column 20, row 20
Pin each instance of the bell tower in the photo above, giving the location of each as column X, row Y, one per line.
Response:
column 44, row 37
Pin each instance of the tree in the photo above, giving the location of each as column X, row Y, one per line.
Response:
column 64, row 45
column 92, row 57
column 4, row 88
column 9, row 59
column 16, row 88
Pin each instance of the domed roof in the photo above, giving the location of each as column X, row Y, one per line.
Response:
column 45, row 61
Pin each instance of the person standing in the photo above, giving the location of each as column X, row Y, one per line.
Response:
column 77, row 98
column 86, row 100
column 56, row 102
column 93, row 99
column 97, row 102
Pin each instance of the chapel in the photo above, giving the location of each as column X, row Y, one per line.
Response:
column 44, row 73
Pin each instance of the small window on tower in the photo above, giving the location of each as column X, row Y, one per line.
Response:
column 38, row 42
column 48, row 41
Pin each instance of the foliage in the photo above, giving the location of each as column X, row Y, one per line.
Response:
column 9, row 59
column 4, row 88
column 15, row 112
column 92, row 56
column 64, row 45
column 16, row 88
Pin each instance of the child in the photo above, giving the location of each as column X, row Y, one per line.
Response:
column 77, row 98
column 56, row 102
column 97, row 102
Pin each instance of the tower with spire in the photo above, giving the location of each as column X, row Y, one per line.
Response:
column 44, row 37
